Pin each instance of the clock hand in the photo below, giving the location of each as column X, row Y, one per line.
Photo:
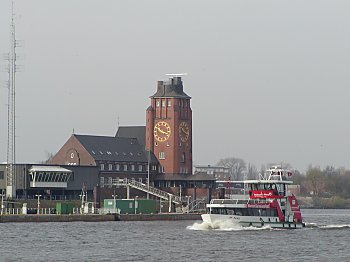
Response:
column 183, row 130
column 161, row 131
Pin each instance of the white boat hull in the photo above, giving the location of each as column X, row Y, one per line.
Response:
column 216, row 220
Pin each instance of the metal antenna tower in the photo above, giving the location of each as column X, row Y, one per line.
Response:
column 11, row 124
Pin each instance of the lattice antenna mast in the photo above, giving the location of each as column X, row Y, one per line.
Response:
column 11, row 137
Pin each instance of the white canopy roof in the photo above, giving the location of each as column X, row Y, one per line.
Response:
column 49, row 169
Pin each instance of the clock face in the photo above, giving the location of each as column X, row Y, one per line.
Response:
column 184, row 131
column 162, row 131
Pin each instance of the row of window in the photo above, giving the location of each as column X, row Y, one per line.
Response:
column 125, row 167
column 167, row 103
column 161, row 155
column 261, row 212
column 116, row 153
column 129, row 167
column 167, row 144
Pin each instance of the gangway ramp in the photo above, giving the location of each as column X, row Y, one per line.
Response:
column 145, row 188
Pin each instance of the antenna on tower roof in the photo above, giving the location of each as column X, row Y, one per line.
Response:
column 176, row 74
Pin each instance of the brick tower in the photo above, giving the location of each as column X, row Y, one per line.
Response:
column 169, row 127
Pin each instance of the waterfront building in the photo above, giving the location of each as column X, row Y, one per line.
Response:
column 161, row 151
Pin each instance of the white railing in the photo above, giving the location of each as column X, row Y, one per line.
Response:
column 143, row 187
column 28, row 211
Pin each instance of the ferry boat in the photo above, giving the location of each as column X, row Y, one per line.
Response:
column 267, row 202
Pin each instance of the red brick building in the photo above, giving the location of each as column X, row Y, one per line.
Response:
column 166, row 141
column 169, row 127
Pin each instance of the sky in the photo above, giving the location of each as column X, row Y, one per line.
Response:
column 269, row 80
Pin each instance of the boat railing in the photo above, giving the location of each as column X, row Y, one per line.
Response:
column 239, row 201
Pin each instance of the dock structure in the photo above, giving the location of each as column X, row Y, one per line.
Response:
column 129, row 183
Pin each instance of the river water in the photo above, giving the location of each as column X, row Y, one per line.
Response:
column 326, row 238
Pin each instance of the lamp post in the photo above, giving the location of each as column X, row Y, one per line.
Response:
column 136, row 204
column 38, row 207
column 149, row 156
column 114, row 203
column 188, row 203
column 2, row 201
column 82, row 195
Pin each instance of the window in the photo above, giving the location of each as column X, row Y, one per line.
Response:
column 140, row 168
column 157, row 103
column 161, row 155
column 102, row 166
column 110, row 167
column 132, row 167
column 154, row 167
column 163, row 103
column 1, row 174
column 125, row 167
column 169, row 103
column 117, row 167
column 183, row 157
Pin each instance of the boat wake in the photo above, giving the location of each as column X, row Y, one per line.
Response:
column 225, row 226
column 326, row 227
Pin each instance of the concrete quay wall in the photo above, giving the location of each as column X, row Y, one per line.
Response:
column 164, row 216
column 56, row 218
column 97, row 218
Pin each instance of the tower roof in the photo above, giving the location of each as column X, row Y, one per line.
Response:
column 171, row 88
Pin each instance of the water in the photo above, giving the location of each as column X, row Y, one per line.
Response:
column 326, row 238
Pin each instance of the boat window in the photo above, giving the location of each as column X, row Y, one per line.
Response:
column 255, row 212
column 271, row 212
column 244, row 212
column 238, row 211
column 230, row 211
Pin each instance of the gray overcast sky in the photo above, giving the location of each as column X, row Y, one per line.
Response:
column 269, row 80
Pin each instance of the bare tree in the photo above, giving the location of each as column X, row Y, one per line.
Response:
column 49, row 157
column 315, row 181
column 237, row 167
column 252, row 172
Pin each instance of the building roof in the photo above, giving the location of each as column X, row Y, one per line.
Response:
column 171, row 88
column 56, row 169
column 138, row 132
column 114, row 149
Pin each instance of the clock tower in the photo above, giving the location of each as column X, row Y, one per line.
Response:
column 169, row 127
